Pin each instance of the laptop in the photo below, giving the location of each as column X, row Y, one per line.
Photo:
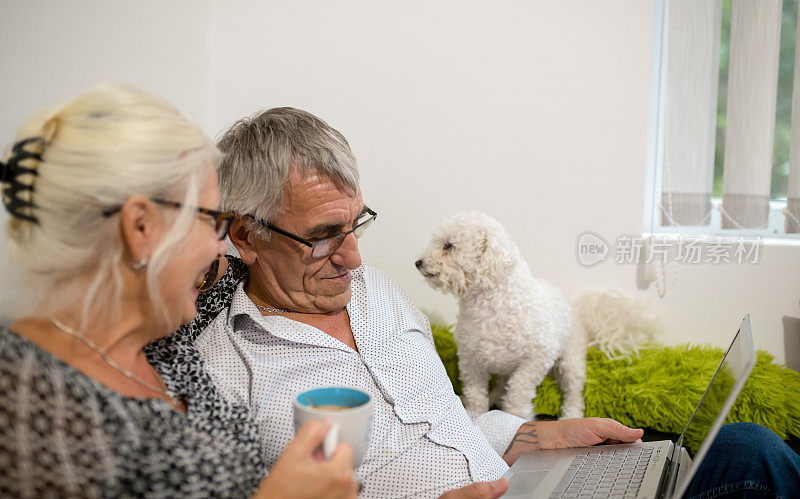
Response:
column 639, row 470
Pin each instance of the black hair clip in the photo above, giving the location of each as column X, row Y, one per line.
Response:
column 9, row 174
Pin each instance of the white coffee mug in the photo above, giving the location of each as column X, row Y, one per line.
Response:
column 350, row 411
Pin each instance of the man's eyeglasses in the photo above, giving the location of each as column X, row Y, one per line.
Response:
column 325, row 247
column 222, row 221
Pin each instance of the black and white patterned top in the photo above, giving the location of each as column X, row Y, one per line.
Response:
column 64, row 434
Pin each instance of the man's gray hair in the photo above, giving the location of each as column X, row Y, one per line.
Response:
column 261, row 151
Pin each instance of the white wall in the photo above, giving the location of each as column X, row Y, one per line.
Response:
column 534, row 111
column 50, row 51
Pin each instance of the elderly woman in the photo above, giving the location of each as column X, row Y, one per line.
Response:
column 113, row 224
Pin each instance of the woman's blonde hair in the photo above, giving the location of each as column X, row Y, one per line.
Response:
column 95, row 152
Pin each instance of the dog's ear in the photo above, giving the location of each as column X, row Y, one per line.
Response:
column 497, row 257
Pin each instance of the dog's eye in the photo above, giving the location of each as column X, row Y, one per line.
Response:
column 447, row 246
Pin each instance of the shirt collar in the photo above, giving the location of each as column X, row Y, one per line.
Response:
column 241, row 304
column 243, row 309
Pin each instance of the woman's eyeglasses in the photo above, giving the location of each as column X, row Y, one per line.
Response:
column 222, row 221
column 325, row 247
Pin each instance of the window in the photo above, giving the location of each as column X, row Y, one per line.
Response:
column 724, row 158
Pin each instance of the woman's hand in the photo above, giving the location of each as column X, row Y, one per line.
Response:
column 479, row 490
column 300, row 471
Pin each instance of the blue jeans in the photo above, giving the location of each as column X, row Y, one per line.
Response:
column 747, row 460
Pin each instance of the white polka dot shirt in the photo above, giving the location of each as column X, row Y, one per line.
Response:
column 423, row 440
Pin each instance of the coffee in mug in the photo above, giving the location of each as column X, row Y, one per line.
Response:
column 349, row 409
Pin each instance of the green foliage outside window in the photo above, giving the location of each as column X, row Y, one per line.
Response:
column 783, row 118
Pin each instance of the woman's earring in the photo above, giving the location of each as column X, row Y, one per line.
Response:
column 140, row 264
column 210, row 277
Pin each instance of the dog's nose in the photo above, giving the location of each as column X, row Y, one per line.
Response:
column 418, row 263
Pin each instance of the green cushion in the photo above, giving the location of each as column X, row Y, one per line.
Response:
column 659, row 388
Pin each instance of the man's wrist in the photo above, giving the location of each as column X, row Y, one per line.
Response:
column 525, row 440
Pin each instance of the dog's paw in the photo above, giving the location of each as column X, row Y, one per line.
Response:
column 475, row 399
column 524, row 411
column 479, row 406
column 570, row 413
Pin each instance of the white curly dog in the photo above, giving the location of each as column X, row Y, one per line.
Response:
column 509, row 324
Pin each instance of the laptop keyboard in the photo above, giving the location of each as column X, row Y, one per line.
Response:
column 610, row 473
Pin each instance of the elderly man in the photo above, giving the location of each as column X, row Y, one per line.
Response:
column 309, row 313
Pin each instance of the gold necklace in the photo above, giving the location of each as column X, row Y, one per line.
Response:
column 275, row 310
column 111, row 362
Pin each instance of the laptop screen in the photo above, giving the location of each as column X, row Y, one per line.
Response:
column 720, row 394
column 733, row 367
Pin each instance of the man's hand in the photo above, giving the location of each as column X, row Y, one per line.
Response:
column 479, row 490
column 535, row 435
